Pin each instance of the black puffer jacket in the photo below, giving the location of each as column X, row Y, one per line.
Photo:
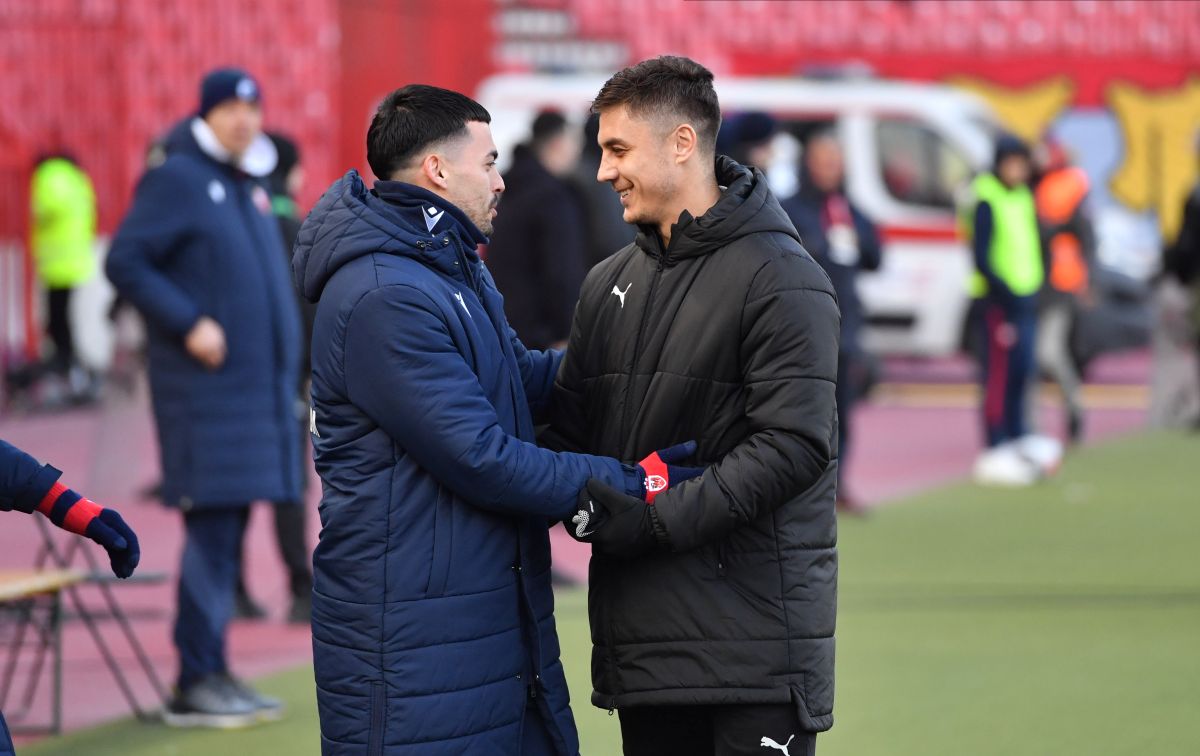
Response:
column 728, row 337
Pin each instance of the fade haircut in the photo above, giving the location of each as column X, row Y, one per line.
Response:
column 666, row 86
column 413, row 118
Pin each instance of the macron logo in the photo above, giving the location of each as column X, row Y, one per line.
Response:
column 458, row 295
column 432, row 216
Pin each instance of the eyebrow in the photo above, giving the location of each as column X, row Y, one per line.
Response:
column 493, row 155
column 614, row 142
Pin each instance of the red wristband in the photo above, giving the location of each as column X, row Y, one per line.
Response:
column 77, row 518
column 658, row 479
column 47, row 502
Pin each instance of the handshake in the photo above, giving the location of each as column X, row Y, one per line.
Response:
column 620, row 524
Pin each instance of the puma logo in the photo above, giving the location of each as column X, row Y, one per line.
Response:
column 621, row 296
column 768, row 743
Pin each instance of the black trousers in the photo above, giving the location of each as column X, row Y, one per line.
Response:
column 58, row 327
column 290, row 536
column 735, row 730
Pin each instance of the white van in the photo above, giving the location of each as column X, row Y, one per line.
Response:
column 910, row 148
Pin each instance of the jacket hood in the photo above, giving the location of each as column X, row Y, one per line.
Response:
column 395, row 218
column 746, row 207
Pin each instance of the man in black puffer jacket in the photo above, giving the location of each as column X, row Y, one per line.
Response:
column 712, row 608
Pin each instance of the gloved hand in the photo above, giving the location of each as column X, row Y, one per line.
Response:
column 70, row 511
column 616, row 523
column 659, row 473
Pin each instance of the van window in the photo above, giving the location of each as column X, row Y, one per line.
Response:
column 918, row 166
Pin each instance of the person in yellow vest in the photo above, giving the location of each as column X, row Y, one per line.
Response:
column 63, row 233
column 1009, row 272
column 1071, row 244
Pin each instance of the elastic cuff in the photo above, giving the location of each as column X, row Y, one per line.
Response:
column 36, row 489
column 635, row 481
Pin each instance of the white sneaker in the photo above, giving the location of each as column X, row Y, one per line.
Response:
column 1004, row 466
column 1043, row 451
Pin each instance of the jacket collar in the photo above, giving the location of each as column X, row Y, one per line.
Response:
column 424, row 210
column 258, row 161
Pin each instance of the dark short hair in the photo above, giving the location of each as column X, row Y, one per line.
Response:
column 548, row 125
column 414, row 117
column 668, row 84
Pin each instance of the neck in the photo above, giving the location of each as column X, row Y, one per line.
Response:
column 697, row 198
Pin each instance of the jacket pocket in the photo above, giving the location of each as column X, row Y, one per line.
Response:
column 722, row 547
column 443, row 520
column 375, row 734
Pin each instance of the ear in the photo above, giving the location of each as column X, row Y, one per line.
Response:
column 684, row 142
column 433, row 168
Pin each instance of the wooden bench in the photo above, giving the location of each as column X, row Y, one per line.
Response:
column 33, row 598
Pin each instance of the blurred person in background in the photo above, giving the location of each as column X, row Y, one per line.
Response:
column 604, row 231
column 1009, row 273
column 284, row 183
column 28, row 486
column 62, row 237
column 433, row 623
column 199, row 255
column 538, row 253
column 748, row 139
column 1070, row 243
column 1177, row 336
column 715, row 634
column 844, row 242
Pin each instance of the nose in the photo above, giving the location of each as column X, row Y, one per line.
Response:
column 498, row 187
column 607, row 173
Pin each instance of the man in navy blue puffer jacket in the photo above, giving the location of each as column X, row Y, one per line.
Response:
column 198, row 254
column 433, row 628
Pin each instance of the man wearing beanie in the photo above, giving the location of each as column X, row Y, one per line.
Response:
column 198, row 255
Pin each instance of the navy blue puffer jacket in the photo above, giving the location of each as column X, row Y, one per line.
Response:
column 200, row 239
column 432, row 610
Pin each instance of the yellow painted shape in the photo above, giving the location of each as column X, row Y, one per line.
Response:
column 1159, row 128
column 1027, row 111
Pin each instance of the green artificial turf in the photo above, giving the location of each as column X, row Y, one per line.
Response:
column 1058, row 620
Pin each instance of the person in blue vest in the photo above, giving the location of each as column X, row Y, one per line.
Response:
column 433, row 625
column 198, row 255
column 29, row 486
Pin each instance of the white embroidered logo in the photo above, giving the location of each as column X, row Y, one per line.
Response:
column 621, row 294
column 458, row 295
column 312, row 421
column 246, row 90
column 432, row 216
column 216, row 191
column 768, row 743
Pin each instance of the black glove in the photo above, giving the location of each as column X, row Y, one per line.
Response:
column 615, row 523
